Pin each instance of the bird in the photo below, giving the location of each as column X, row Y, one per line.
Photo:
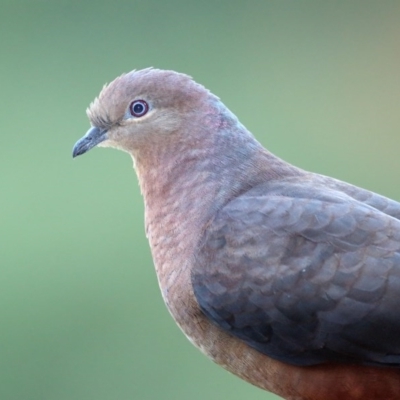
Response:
column 286, row 278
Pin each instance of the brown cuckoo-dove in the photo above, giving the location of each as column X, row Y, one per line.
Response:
column 287, row 278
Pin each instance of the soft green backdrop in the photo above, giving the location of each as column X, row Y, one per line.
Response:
column 318, row 82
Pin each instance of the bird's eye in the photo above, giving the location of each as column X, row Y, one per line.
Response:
column 138, row 108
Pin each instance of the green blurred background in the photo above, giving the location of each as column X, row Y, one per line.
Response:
column 81, row 314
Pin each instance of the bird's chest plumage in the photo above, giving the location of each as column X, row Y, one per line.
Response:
column 174, row 278
column 174, row 266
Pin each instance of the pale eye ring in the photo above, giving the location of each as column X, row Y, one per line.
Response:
column 138, row 108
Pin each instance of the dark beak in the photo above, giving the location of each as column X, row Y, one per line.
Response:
column 93, row 137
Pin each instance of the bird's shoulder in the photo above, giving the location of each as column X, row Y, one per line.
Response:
column 317, row 208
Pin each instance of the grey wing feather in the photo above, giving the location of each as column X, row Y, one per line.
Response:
column 305, row 274
column 381, row 203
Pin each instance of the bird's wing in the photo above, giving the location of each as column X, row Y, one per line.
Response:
column 381, row 203
column 304, row 274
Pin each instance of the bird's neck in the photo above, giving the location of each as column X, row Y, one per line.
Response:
column 185, row 185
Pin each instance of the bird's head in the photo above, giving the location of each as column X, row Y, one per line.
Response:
column 143, row 109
